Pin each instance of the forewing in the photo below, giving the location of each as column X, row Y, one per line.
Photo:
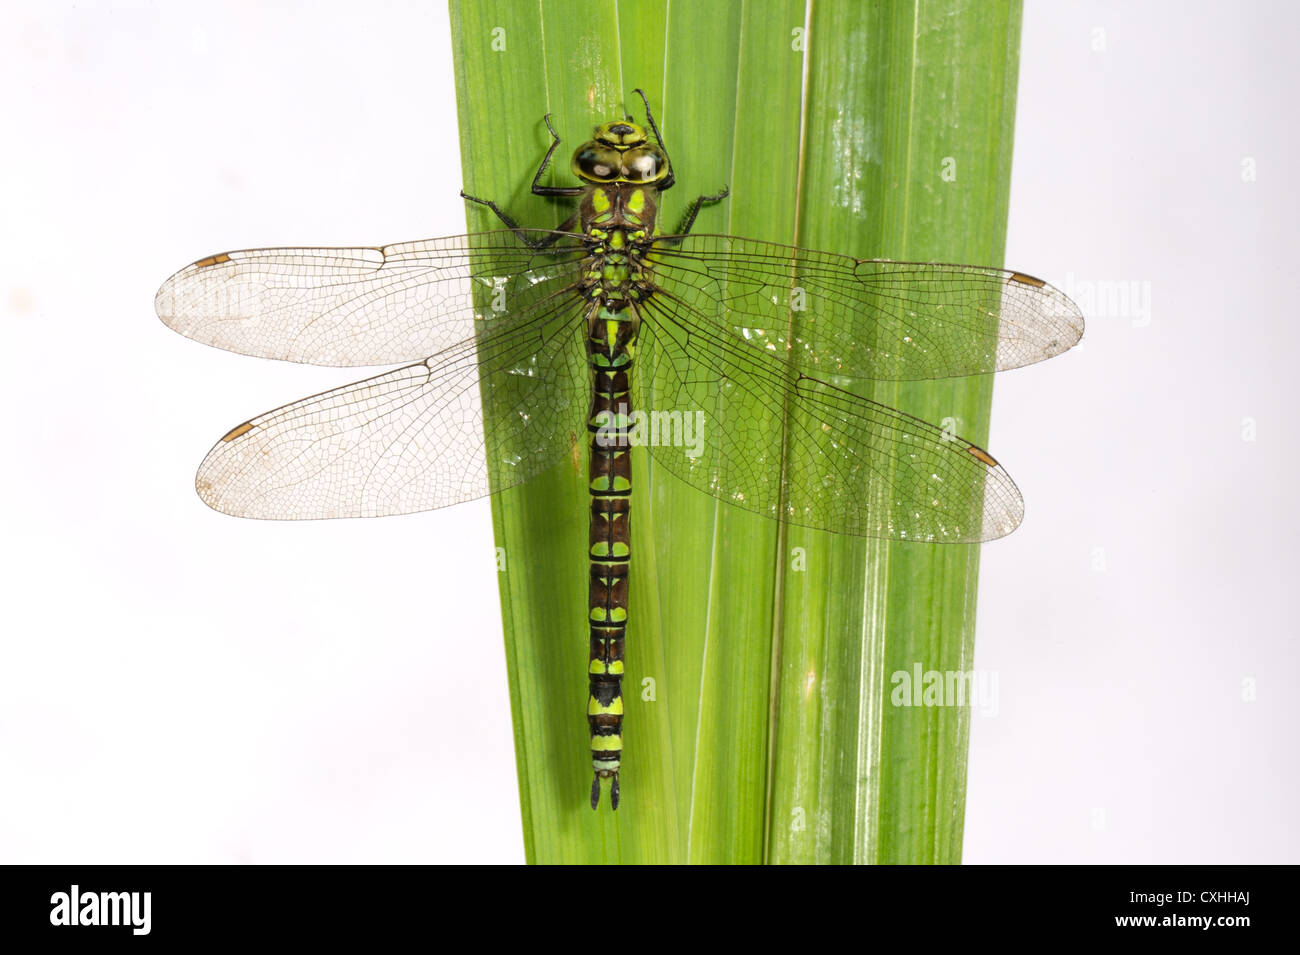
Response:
column 833, row 316
column 362, row 306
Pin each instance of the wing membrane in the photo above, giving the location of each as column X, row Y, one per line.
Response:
column 790, row 447
column 361, row 306
column 836, row 316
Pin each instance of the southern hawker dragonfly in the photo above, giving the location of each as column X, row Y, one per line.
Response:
column 747, row 353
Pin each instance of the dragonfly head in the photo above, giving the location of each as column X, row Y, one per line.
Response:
column 620, row 134
column 620, row 152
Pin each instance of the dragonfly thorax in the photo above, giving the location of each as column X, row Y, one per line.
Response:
column 630, row 211
column 618, row 220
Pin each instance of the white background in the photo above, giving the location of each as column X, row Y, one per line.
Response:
column 176, row 686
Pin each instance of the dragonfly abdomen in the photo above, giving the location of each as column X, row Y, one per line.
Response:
column 610, row 347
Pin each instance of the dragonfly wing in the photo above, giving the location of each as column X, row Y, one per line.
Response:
column 835, row 316
column 786, row 446
column 362, row 306
column 413, row 439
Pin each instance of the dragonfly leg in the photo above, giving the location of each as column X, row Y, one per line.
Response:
column 547, row 239
column 688, row 220
column 538, row 188
column 510, row 223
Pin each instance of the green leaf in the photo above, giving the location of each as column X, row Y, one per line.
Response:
column 761, row 657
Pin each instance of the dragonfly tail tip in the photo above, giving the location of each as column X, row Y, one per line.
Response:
column 613, row 790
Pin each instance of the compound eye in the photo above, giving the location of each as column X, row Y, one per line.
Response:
column 644, row 165
column 596, row 163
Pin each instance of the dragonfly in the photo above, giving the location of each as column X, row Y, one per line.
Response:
column 739, row 364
